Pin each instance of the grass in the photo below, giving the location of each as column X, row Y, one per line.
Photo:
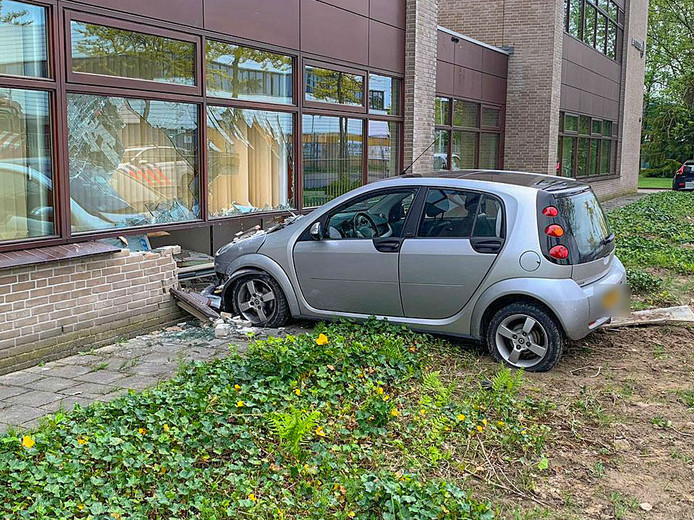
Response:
column 366, row 421
column 654, row 241
column 664, row 183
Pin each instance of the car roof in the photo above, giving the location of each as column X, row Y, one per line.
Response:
column 549, row 183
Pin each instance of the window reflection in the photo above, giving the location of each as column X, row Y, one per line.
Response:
column 384, row 95
column 384, row 150
column 26, row 184
column 333, row 157
column 250, row 160
column 463, row 150
column 332, row 86
column 23, row 39
column 245, row 73
column 441, row 150
column 97, row 49
column 489, row 151
column 133, row 162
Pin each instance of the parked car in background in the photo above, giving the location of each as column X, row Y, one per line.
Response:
column 684, row 178
column 516, row 260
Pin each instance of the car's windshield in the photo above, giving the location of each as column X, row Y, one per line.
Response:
column 586, row 223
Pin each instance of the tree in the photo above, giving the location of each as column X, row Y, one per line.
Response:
column 668, row 123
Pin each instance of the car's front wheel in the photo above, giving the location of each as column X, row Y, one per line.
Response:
column 260, row 300
column 525, row 335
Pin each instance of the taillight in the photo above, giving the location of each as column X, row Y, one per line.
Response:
column 680, row 171
column 559, row 252
column 554, row 230
column 550, row 211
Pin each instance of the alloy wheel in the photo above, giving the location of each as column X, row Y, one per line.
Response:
column 256, row 301
column 522, row 341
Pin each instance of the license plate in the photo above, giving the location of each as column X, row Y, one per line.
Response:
column 689, row 185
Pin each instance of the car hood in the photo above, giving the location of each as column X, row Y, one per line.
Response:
column 233, row 250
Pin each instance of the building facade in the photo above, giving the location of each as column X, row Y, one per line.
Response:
column 190, row 120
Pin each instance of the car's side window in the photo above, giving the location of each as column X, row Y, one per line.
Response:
column 378, row 216
column 449, row 214
column 490, row 219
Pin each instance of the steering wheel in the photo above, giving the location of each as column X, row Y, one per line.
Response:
column 362, row 220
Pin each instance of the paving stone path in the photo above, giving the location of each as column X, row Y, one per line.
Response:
column 108, row 372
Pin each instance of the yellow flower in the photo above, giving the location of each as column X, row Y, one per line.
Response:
column 322, row 339
column 479, row 428
column 394, row 412
column 484, row 421
column 524, row 432
column 500, row 423
column 297, row 391
column 239, row 404
column 422, row 412
column 142, row 431
column 80, row 506
column 28, row 442
column 116, row 516
column 252, row 497
column 351, row 514
column 80, row 440
column 461, row 417
column 166, row 428
column 379, row 390
column 320, row 432
column 386, row 397
column 237, row 388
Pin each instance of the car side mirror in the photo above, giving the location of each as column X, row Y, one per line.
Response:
column 317, row 231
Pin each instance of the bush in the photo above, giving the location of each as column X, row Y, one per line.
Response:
column 666, row 169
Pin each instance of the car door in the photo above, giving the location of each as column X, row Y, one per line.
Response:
column 459, row 236
column 354, row 267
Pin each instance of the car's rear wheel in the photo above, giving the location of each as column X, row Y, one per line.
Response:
column 260, row 300
column 525, row 335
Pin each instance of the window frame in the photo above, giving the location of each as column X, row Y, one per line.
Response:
column 85, row 78
column 593, row 140
column 325, row 105
column 610, row 21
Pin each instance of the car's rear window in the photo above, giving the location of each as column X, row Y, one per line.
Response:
column 587, row 224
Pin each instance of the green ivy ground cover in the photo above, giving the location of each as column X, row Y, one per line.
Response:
column 353, row 421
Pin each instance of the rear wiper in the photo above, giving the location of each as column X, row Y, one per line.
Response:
column 607, row 240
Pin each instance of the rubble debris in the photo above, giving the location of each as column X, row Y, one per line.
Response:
column 668, row 315
column 195, row 304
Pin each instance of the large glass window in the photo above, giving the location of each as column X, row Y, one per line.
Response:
column 23, row 43
column 250, row 164
column 585, row 146
column 599, row 24
column 384, row 150
column 244, row 73
column 332, row 86
column 568, row 154
column 333, row 152
column 108, row 51
column 26, row 182
column 384, row 95
column 469, row 146
column 133, row 162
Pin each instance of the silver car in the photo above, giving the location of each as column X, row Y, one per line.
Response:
column 517, row 260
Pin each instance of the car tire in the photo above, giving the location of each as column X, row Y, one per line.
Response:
column 518, row 333
column 260, row 299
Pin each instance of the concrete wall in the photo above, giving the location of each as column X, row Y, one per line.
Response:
column 420, row 83
column 51, row 310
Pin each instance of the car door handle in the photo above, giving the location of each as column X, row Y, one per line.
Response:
column 387, row 245
column 487, row 245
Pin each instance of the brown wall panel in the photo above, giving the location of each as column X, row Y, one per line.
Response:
column 469, row 55
column 445, row 48
column 389, row 11
column 187, row 12
column 468, row 83
column 270, row 21
column 356, row 6
column 386, row 47
column 494, row 63
column 493, row 89
column 445, row 78
column 334, row 33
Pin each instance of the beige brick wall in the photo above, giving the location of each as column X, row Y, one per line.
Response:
column 534, row 29
column 420, row 83
column 51, row 310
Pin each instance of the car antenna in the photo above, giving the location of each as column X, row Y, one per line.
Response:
column 419, row 156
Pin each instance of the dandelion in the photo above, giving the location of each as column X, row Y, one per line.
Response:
column 484, row 421
column 386, row 397
column 322, row 339
column 500, row 423
column 240, row 404
column 422, row 412
column 166, row 428
column 237, row 388
column 394, row 412
column 80, row 506
column 320, row 432
column 379, row 390
column 351, row 514
column 252, row 497
column 81, row 440
column 28, row 442
column 297, row 391
column 142, row 431
column 461, row 417
column 480, row 428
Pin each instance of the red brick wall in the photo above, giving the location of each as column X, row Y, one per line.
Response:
column 51, row 310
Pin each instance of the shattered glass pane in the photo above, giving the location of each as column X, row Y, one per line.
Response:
column 133, row 162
